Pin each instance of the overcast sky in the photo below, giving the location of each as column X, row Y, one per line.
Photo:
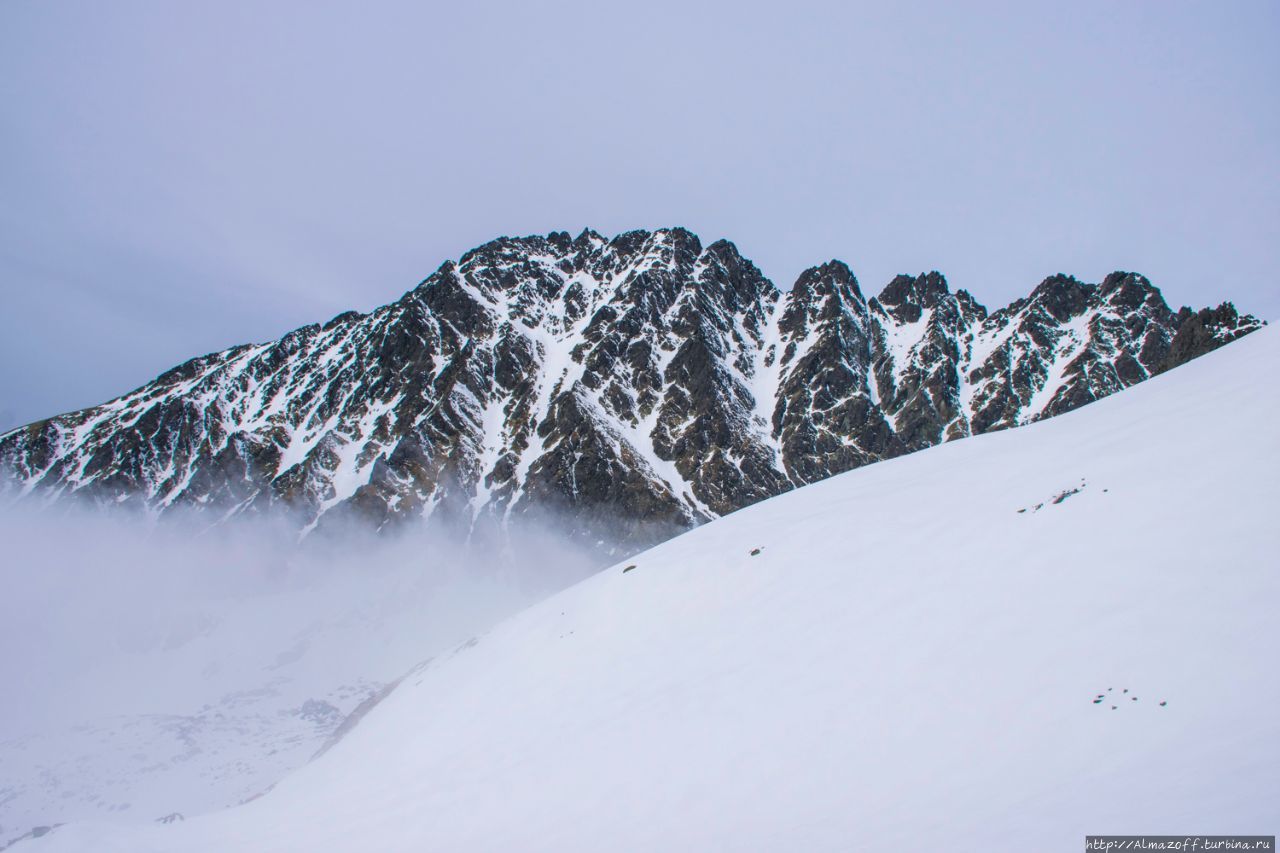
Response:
column 179, row 177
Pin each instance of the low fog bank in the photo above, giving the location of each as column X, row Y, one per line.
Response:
column 216, row 658
column 94, row 601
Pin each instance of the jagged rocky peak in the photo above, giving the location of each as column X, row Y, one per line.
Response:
column 628, row 387
column 1064, row 297
column 906, row 298
column 1131, row 291
column 820, row 295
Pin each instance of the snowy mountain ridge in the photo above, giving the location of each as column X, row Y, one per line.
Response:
column 637, row 386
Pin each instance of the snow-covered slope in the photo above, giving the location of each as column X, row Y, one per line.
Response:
column 913, row 660
column 636, row 385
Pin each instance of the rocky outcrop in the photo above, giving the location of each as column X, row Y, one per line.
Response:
column 1204, row 331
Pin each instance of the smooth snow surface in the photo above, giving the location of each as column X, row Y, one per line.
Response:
column 910, row 663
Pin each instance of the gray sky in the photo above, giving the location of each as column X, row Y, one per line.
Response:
column 179, row 177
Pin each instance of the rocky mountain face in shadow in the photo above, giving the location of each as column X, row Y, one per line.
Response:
column 628, row 388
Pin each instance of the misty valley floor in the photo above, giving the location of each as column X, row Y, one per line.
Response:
column 167, row 671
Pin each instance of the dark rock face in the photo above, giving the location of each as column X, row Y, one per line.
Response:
column 631, row 387
column 1203, row 331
